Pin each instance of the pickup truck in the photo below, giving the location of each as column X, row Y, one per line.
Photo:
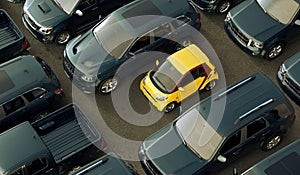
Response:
column 12, row 40
column 52, row 145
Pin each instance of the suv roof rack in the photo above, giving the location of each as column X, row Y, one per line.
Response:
column 238, row 85
column 254, row 109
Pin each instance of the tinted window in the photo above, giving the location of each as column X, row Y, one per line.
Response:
column 86, row 3
column 255, row 127
column 231, row 142
column 13, row 105
column 36, row 166
column 34, row 94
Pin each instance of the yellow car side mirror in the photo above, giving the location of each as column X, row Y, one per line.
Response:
column 156, row 62
column 181, row 89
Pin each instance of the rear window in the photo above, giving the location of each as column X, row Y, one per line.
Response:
column 5, row 81
column 287, row 165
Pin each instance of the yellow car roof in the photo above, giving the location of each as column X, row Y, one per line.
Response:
column 187, row 58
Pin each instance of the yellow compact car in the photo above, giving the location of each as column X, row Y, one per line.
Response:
column 182, row 74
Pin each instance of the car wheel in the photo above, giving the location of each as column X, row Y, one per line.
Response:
column 210, row 85
column 271, row 142
column 41, row 115
column 274, row 51
column 63, row 37
column 223, row 7
column 183, row 44
column 170, row 107
column 108, row 85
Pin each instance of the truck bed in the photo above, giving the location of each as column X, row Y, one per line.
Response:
column 9, row 33
column 68, row 134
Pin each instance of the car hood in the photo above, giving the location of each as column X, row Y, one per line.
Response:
column 44, row 12
column 167, row 152
column 250, row 18
column 87, row 54
column 292, row 66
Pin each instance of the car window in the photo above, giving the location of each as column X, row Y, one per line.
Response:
column 18, row 172
column 231, row 142
column 36, row 166
column 2, row 113
column 255, row 127
column 188, row 78
column 34, row 94
column 199, row 72
column 179, row 21
column 140, row 43
column 85, row 4
column 13, row 105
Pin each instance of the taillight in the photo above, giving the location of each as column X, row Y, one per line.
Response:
column 198, row 20
column 58, row 91
column 292, row 117
column 26, row 44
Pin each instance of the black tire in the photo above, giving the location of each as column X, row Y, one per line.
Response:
column 63, row 37
column 271, row 142
column 223, row 6
column 41, row 115
column 170, row 107
column 274, row 51
column 210, row 85
column 108, row 85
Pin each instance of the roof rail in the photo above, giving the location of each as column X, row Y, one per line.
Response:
column 241, row 83
column 85, row 170
column 254, row 109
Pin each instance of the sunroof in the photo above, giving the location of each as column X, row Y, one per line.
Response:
column 288, row 165
column 5, row 82
column 146, row 8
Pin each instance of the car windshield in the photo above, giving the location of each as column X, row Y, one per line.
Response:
column 198, row 134
column 166, row 77
column 67, row 5
column 111, row 35
column 281, row 10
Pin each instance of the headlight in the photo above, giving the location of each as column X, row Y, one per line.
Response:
column 256, row 44
column 227, row 18
column 144, row 80
column 161, row 98
column 212, row 1
column 88, row 78
column 45, row 30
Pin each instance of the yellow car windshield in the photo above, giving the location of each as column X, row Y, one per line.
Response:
column 166, row 77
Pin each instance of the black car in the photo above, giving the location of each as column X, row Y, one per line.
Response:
column 60, row 20
column 29, row 90
column 289, row 77
column 217, row 6
column 252, row 111
column 92, row 59
column 264, row 28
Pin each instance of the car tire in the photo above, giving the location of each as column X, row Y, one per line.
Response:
column 170, row 107
column 271, row 142
column 108, row 85
column 210, row 85
column 223, row 7
column 41, row 115
column 63, row 37
column 274, row 51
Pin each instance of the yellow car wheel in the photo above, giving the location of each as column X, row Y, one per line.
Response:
column 210, row 85
column 170, row 107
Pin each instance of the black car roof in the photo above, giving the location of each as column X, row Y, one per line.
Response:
column 240, row 103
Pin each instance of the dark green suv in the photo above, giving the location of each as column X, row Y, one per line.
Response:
column 219, row 127
column 29, row 90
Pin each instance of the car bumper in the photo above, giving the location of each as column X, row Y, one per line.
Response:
column 40, row 37
column 291, row 92
column 204, row 5
column 241, row 44
column 160, row 105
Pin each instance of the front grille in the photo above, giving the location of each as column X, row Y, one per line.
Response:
column 238, row 33
column 70, row 69
column 69, row 66
column 31, row 22
column 292, row 85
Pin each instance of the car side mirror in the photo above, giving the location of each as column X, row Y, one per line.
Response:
column 297, row 22
column 79, row 13
column 221, row 159
column 156, row 62
column 181, row 89
column 131, row 54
